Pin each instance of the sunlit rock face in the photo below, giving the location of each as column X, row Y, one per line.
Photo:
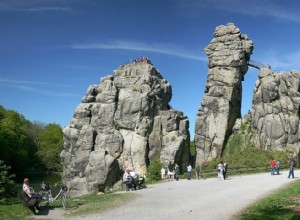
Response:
column 228, row 54
column 275, row 111
column 124, row 122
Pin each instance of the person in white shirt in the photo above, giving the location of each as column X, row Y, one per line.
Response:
column 189, row 171
column 220, row 169
column 163, row 173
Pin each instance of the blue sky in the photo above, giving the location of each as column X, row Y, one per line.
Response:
column 52, row 50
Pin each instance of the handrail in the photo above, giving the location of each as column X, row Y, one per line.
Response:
column 257, row 64
column 239, row 170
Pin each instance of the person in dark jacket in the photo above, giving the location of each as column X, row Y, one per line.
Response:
column 291, row 173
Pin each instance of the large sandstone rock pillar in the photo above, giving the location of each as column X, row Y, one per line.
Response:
column 228, row 54
column 124, row 122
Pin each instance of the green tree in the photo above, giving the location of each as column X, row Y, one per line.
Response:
column 16, row 148
column 154, row 169
column 34, row 131
column 50, row 146
column 7, row 185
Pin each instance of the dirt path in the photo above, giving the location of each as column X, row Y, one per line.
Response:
column 196, row 199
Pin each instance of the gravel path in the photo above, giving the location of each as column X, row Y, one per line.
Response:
column 196, row 199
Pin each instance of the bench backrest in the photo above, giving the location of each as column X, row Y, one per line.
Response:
column 23, row 196
column 26, row 200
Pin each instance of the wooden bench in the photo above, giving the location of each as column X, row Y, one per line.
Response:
column 30, row 204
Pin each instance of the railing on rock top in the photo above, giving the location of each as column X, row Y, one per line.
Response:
column 257, row 64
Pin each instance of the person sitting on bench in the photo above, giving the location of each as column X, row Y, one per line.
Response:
column 29, row 191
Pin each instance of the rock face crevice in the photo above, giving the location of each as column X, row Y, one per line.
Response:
column 228, row 54
column 124, row 122
column 275, row 111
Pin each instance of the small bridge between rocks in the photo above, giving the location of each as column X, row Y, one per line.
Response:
column 258, row 65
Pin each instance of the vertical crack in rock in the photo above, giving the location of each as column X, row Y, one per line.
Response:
column 124, row 122
column 228, row 54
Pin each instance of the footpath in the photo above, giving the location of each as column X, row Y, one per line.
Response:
column 209, row 199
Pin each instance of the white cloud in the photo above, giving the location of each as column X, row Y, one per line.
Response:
column 52, row 8
column 35, row 5
column 163, row 48
column 31, row 86
column 254, row 8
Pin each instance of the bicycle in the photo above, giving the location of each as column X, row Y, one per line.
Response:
column 46, row 194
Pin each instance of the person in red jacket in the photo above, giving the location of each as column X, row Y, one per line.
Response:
column 273, row 167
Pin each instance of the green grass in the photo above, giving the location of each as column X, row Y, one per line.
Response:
column 275, row 206
column 13, row 212
column 88, row 204
column 94, row 203
column 81, row 205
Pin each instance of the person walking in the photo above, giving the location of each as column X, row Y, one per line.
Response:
column 277, row 166
column 198, row 171
column 189, row 171
column 291, row 173
column 273, row 167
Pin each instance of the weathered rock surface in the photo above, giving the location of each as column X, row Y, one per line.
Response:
column 228, row 54
column 275, row 111
column 124, row 122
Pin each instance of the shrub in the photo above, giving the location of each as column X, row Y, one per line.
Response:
column 154, row 169
column 7, row 185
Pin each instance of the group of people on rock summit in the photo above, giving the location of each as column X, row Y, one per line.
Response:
column 275, row 166
column 141, row 60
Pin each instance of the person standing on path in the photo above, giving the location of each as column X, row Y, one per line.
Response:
column 220, row 169
column 225, row 170
column 176, row 169
column 198, row 171
column 189, row 171
column 170, row 171
column 163, row 173
column 273, row 167
column 291, row 173
column 277, row 166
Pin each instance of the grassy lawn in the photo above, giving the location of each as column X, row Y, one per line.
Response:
column 284, row 204
column 81, row 205
column 13, row 212
column 94, row 203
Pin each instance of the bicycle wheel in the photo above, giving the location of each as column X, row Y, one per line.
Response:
column 46, row 198
column 63, row 197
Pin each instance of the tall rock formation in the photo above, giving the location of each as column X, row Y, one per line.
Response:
column 228, row 54
column 275, row 111
column 124, row 122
